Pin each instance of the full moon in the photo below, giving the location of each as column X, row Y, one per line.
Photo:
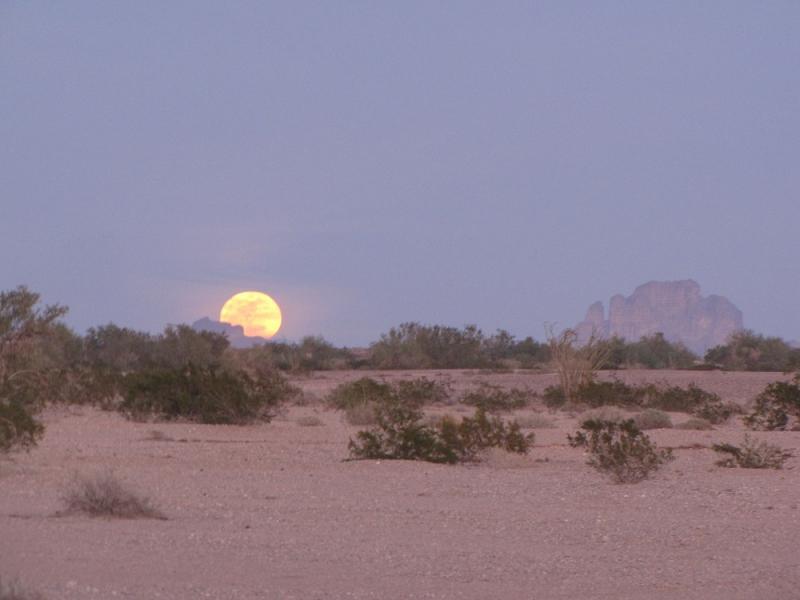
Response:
column 256, row 312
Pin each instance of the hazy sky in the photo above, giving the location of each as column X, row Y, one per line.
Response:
column 369, row 163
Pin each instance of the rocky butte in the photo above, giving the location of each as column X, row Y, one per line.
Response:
column 235, row 333
column 674, row 308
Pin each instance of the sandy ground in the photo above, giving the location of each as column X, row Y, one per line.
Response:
column 272, row 511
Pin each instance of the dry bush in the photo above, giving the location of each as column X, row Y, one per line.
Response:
column 14, row 591
column 752, row 455
column 652, row 419
column 309, row 421
column 575, row 364
column 605, row 413
column 158, row 436
column 535, row 421
column 103, row 495
column 361, row 414
column 695, row 423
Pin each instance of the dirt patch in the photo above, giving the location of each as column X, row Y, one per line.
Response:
column 272, row 511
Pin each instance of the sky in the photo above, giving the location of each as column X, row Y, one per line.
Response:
column 370, row 163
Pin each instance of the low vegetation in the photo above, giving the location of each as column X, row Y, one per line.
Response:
column 203, row 394
column 752, row 454
column 692, row 399
column 695, row 423
column 651, row 418
column 13, row 590
column 416, row 346
column 650, row 352
column 493, row 398
column 402, row 433
column 104, row 495
column 777, row 407
column 310, row 421
column 749, row 351
column 619, row 450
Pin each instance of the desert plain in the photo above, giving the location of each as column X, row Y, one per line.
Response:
column 275, row 511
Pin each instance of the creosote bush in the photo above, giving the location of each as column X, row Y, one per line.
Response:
column 362, row 391
column 204, row 394
column 692, row 399
column 401, row 433
column 104, row 495
column 493, row 398
column 18, row 427
column 777, row 407
column 752, row 455
column 619, row 450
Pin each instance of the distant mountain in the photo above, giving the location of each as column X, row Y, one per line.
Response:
column 235, row 333
column 674, row 308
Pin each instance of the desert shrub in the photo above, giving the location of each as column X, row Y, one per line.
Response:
column 13, row 590
column 535, row 421
column 752, row 455
column 609, row 393
column 595, row 393
column 421, row 391
column 656, row 352
column 479, row 432
column 748, row 351
column 493, row 398
column 651, row 418
column 553, row 396
column 104, row 495
column 777, row 407
column 605, row 413
column 18, row 427
column 692, row 400
column 309, row 421
column 619, row 450
column 401, row 433
column 361, row 414
column 204, row 395
column 359, row 392
column 695, row 423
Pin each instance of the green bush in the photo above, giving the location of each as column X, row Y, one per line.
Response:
column 204, row 395
column 748, row 351
column 692, row 400
column 359, row 392
column 18, row 427
column 777, row 407
column 752, row 455
column 401, row 433
column 619, row 450
column 421, row 391
column 493, row 398
column 554, row 397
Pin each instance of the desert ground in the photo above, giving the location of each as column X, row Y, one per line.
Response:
column 273, row 511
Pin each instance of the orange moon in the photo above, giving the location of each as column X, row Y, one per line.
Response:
column 256, row 312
